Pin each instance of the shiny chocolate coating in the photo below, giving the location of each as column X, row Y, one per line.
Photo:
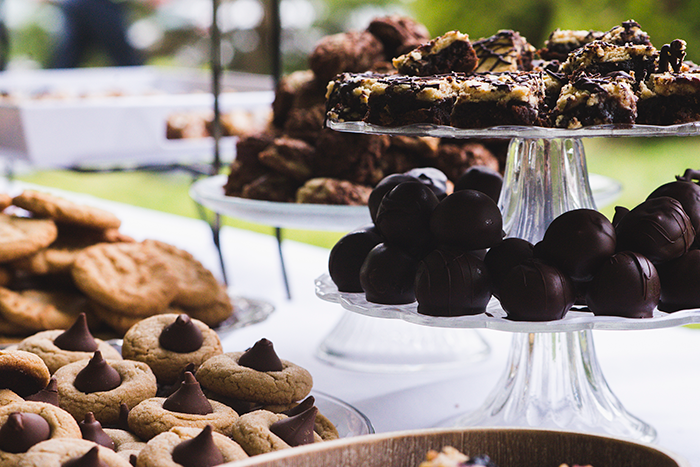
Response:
column 688, row 194
column 48, row 395
column 481, row 178
column 92, row 430
column 452, row 283
column 298, row 429
column 199, row 451
column 181, row 336
column 434, row 178
column 77, row 337
column 627, row 285
column 536, row 291
column 388, row 274
column 384, row 186
column 301, row 407
column 501, row 258
column 97, row 376
column 261, row 357
column 467, row 219
column 404, row 216
column 89, row 459
column 189, row 398
column 348, row 254
column 658, row 228
column 23, row 430
column 679, row 283
column 578, row 242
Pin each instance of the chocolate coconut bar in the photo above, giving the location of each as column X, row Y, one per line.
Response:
column 669, row 98
column 602, row 58
column 450, row 52
column 504, row 51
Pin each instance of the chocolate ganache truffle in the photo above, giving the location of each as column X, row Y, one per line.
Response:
column 686, row 192
column 384, row 186
column 501, row 258
column 578, row 242
column 434, row 178
column 481, row 178
column 536, row 291
column 404, row 216
column 658, row 228
column 451, row 282
column 679, row 283
column 348, row 254
column 388, row 274
column 627, row 284
column 467, row 219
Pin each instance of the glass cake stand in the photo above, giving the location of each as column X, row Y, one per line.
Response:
column 552, row 378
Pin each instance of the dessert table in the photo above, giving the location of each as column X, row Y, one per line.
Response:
column 655, row 373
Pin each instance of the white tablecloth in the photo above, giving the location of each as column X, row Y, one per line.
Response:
column 655, row 374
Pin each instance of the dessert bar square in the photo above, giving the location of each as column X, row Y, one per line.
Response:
column 669, row 98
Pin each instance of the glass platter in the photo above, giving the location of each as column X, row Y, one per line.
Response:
column 347, row 419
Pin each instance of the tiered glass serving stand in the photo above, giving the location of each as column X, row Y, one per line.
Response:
column 552, row 378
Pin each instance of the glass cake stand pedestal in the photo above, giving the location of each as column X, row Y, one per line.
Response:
column 552, row 378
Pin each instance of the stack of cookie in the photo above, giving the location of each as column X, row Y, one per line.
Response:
column 147, row 405
column 59, row 258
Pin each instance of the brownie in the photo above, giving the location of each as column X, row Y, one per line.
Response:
column 450, row 52
column 398, row 34
column 299, row 89
column 242, row 174
column 629, row 32
column 345, row 52
column 350, row 156
column 455, row 157
column 599, row 57
column 669, row 98
column 561, row 42
column 333, row 191
column 271, row 186
column 289, row 156
column 506, row 50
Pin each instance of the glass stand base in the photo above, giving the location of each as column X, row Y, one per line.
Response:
column 363, row 343
column 553, row 380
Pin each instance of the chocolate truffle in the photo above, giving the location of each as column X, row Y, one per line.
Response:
column 658, row 228
column 686, row 192
column 22, row 430
column 501, row 258
column 467, row 219
column 181, row 336
column 404, row 215
column 434, row 178
column 97, row 376
column 200, row 451
column 481, row 178
column 388, row 274
column 627, row 285
column 679, row 283
column 536, row 291
column 347, row 256
column 452, row 283
column 384, row 186
column 261, row 357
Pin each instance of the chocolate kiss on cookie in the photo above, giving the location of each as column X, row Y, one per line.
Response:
column 97, row 375
column 189, row 398
column 89, row 459
column 298, row 429
column 92, row 430
column 304, row 405
column 77, row 337
column 182, row 336
column 21, row 431
column 49, row 394
column 199, row 451
column 261, row 357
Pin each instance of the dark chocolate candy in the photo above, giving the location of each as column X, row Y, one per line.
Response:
column 620, row 212
column 23, row 430
column 467, row 219
column 189, row 398
column 388, row 274
column 49, row 394
column 181, row 336
column 92, row 430
column 658, row 228
column 89, row 459
column 687, row 193
column 481, row 178
column 680, row 279
column 434, row 178
column 200, row 451
column 301, row 407
column 347, row 256
column 384, row 186
column 261, row 357
column 297, row 429
column 98, row 375
column 501, row 258
column 578, row 242
column 404, row 216
column 77, row 337
column 452, row 283
column 536, row 291
column 627, row 285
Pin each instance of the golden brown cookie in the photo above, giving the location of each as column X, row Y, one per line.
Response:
column 252, row 432
column 137, row 384
column 22, row 372
column 223, row 375
column 9, row 329
column 131, row 278
column 63, row 210
column 126, row 443
column 120, row 322
column 216, row 312
column 55, row 453
column 22, row 236
column 142, row 342
column 8, row 396
column 322, row 425
column 39, row 310
column 5, row 201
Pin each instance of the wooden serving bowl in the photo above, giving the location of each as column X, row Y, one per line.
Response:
column 507, row 447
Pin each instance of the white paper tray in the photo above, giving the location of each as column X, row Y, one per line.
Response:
column 87, row 125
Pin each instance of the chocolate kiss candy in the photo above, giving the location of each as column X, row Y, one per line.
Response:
column 22, row 430
column 92, row 431
column 182, row 336
column 189, row 398
column 77, row 337
column 97, row 375
column 304, row 405
column 89, row 459
column 298, row 429
column 261, row 357
column 199, row 451
column 123, row 421
column 49, row 394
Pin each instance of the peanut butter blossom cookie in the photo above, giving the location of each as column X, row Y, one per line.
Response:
column 72, row 453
